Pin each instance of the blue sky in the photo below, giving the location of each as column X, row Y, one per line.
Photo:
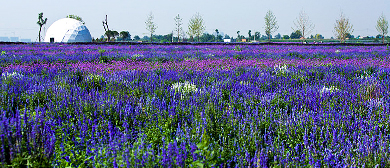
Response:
column 19, row 17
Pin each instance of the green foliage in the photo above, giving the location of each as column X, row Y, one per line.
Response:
column 217, row 121
column 25, row 159
column 39, row 99
column 125, row 36
column 239, row 57
column 70, row 155
column 111, row 34
column 296, row 35
column 76, row 17
column 210, row 157
column 296, row 55
column 237, row 48
column 94, row 82
column 196, row 26
column 103, row 58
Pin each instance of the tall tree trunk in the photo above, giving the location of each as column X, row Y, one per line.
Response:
column 151, row 37
column 178, row 35
column 383, row 39
column 39, row 34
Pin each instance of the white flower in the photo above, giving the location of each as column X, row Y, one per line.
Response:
column 189, row 59
column 337, row 51
column 184, row 88
column 135, row 56
column 366, row 75
column 13, row 75
column 375, row 102
column 281, row 69
column 244, row 83
column 95, row 77
column 328, row 90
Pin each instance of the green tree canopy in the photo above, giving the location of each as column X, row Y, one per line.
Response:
column 271, row 25
column 150, row 25
column 342, row 28
column 196, row 26
column 296, row 35
column 111, row 34
column 125, row 35
column 382, row 25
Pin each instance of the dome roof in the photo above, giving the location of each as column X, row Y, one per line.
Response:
column 68, row 30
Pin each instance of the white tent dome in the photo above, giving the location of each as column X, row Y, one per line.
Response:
column 68, row 30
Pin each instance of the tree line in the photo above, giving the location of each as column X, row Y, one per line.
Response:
column 303, row 26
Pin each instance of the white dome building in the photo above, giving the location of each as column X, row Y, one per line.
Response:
column 68, row 30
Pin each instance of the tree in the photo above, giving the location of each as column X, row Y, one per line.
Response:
column 111, row 34
column 342, row 28
column 150, row 25
column 179, row 29
column 125, row 35
column 257, row 36
column 286, row 37
column 238, row 35
column 136, row 37
column 271, row 25
column 278, row 36
column 196, row 26
column 76, row 17
column 303, row 24
column 296, row 35
column 249, row 34
column 41, row 22
column 319, row 36
column 105, row 26
column 220, row 38
column 183, row 35
column 382, row 26
column 145, row 38
column 349, row 36
column 226, row 36
column 206, row 37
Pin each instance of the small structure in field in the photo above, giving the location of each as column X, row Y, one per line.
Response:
column 68, row 30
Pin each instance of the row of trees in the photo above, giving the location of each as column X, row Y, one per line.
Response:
column 196, row 27
column 303, row 26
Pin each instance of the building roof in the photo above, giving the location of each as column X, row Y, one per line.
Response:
column 68, row 30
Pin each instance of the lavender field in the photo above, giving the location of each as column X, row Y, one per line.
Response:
column 194, row 106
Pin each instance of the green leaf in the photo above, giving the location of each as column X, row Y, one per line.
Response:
column 197, row 164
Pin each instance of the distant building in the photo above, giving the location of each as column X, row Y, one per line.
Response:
column 14, row 39
column 243, row 40
column 4, row 39
column 227, row 40
column 68, row 30
column 25, row 40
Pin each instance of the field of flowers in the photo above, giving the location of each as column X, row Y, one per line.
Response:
column 194, row 106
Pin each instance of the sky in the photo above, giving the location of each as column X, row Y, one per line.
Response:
column 19, row 17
